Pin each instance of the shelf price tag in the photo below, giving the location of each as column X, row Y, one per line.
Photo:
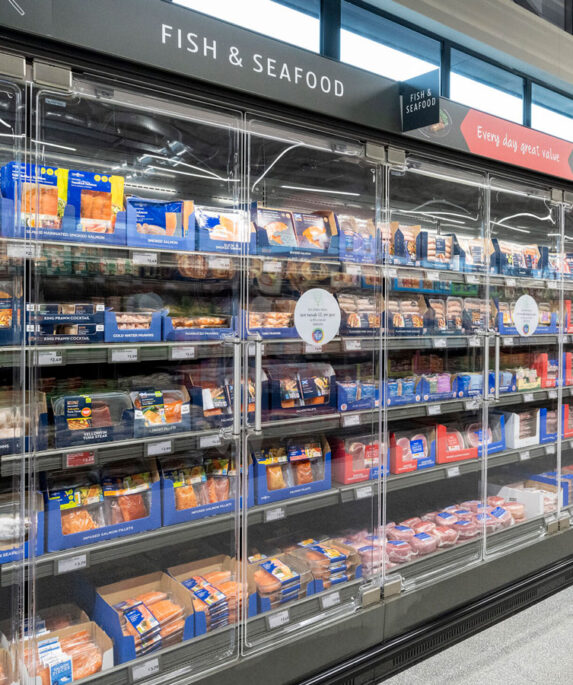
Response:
column 353, row 269
column 210, row 440
column 75, row 459
column 154, row 449
column 350, row 420
column 510, row 282
column 363, row 492
column 23, row 251
column 552, row 394
column 571, row 445
column 553, row 285
column 126, row 354
column 276, row 514
column 549, row 449
column 49, row 358
column 219, row 262
column 474, row 341
column 272, row 267
column 277, row 620
column 472, row 404
column 186, row 352
column 440, row 342
column 144, row 670
column 528, row 397
column 507, row 342
column 433, row 275
column 145, row 258
column 433, row 409
column 453, row 472
column 330, row 600
column 525, row 455
column 472, row 279
column 564, row 339
column 70, row 564
column 392, row 273
column 352, row 345
column 312, row 349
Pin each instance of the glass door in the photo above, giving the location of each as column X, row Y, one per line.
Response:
column 20, row 505
column 133, row 204
column 436, row 327
column 566, row 376
column 312, row 542
column 523, row 480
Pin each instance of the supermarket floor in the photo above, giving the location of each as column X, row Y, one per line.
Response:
column 530, row 648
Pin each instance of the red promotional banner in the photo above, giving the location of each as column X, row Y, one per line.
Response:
column 505, row 141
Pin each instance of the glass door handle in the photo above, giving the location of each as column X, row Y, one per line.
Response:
column 239, row 388
column 496, row 371
column 258, row 342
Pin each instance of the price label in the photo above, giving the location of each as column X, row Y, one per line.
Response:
column 353, row 269
column 74, row 459
column 350, row 420
column 272, row 267
column 433, row 409
column 528, row 397
column 553, row 285
column 70, row 564
column 472, row 279
column 392, row 273
column 332, row 599
column 440, row 342
column 312, row 349
column 433, row 275
column 470, row 405
column 50, row 358
column 277, row 620
column 474, row 341
column 352, row 345
column 186, row 352
column 144, row 670
column 552, row 394
column 564, row 339
column 145, row 258
column 549, row 449
column 524, row 456
column 21, row 251
column 363, row 492
column 276, row 514
column 510, row 282
column 130, row 354
column 154, row 449
column 453, row 472
column 507, row 342
column 219, row 262
column 571, row 445
column 210, row 441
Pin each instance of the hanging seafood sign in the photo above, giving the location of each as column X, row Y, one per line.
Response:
column 317, row 316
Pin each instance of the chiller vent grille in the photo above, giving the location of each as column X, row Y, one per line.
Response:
column 464, row 628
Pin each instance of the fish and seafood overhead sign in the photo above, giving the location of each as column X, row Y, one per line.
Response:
column 166, row 36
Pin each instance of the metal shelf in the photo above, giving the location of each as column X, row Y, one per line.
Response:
column 106, row 452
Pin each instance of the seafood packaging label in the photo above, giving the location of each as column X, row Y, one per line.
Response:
column 278, row 225
column 162, row 218
column 312, row 231
column 280, row 570
column 97, row 198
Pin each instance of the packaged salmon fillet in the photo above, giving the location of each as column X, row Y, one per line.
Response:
column 126, row 496
column 80, row 502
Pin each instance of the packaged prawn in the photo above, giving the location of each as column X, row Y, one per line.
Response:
column 67, row 655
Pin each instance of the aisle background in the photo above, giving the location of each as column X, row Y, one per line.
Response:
column 530, row 648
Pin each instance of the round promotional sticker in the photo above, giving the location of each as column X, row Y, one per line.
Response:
column 526, row 315
column 317, row 316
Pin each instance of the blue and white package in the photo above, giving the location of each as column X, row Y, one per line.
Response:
column 160, row 223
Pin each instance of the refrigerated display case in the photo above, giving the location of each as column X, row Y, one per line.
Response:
column 268, row 385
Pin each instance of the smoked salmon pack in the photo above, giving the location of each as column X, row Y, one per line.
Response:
column 160, row 223
column 219, row 598
column 118, row 500
column 66, row 655
column 144, row 614
column 279, row 579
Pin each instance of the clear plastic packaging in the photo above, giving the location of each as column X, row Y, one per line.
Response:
column 81, row 501
column 126, row 496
